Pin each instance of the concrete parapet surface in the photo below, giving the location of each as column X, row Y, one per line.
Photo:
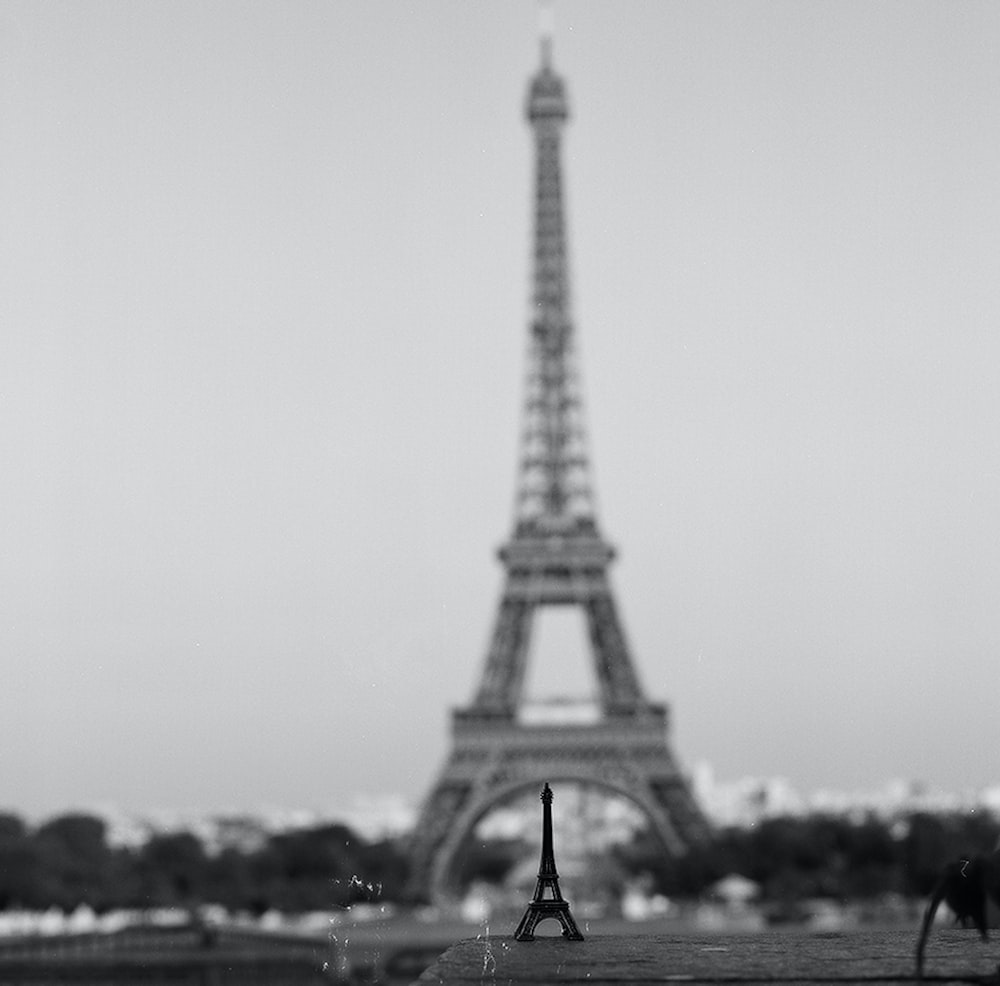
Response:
column 843, row 957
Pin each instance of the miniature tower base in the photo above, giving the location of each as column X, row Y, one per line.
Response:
column 538, row 910
column 541, row 907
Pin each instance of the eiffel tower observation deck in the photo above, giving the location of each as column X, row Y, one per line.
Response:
column 555, row 556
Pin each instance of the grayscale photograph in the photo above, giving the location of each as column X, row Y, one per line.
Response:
column 499, row 491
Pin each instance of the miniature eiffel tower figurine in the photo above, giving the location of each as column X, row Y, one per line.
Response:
column 540, row 906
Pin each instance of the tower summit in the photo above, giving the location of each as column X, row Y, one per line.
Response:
column 555, row 556
column 554, row 491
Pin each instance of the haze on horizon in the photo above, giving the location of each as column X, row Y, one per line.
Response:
column 264, row 319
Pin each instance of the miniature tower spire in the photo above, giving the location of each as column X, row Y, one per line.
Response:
column 553, row 906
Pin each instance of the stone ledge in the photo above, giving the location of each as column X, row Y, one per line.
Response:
column 848, row 957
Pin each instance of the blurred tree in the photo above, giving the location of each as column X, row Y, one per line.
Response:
column 172, row 870
column 74, row 861
column 20, row 866
column 12, row 827
column 386, row 863
column 489, row 860
column 833, row 856
column 932, row 841
column 874, row 861
column 229, row 882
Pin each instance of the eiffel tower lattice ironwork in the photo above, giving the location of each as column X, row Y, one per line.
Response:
column 556, row 556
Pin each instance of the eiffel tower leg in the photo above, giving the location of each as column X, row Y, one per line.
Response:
column 503, row 676
column 674, row 799
column 525, row 930
column 570, row 930
column 615, row 674
column 437, row 819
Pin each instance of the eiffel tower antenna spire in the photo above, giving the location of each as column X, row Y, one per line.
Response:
column 546, row 29
column 555, row 556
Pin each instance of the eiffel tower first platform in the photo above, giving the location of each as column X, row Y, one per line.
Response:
column 556, row 556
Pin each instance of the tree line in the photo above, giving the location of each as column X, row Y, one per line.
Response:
column 827, row 856
column 791, row 858
column 68, row 861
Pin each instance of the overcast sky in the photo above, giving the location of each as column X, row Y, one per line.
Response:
column 265, row 270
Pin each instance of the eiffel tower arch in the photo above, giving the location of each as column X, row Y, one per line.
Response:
column 555, row 557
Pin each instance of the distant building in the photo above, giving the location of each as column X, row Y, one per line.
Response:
column 748, row 800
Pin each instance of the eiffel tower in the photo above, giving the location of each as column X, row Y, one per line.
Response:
column 556, row 556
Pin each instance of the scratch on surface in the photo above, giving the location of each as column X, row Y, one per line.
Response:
column 489, row 959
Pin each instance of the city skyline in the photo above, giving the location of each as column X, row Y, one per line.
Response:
column 267, row 277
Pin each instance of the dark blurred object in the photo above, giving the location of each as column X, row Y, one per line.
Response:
column 966, row 887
